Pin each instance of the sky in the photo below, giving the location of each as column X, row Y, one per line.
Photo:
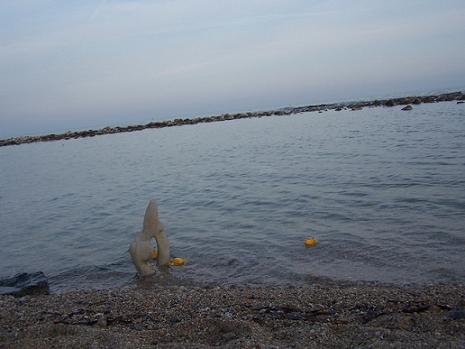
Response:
column 71, row 65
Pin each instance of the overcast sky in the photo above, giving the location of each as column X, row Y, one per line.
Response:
column 78, row 64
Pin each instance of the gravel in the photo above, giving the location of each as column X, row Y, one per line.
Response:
column 336, row 315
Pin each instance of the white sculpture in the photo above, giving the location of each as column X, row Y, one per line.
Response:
column 141, row 250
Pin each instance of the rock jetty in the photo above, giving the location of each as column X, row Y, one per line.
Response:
column 402, row 101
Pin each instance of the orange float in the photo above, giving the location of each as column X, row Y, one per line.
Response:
column 312, row 242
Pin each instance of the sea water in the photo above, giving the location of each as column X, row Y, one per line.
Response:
column 383, row 190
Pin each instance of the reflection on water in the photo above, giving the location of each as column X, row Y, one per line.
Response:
column 382, row 190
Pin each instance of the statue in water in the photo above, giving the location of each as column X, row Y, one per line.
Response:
column 142, row 250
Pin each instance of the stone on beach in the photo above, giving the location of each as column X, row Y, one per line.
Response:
column 25, row 284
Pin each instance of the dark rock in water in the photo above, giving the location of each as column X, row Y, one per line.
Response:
column 389, row 103
column 460, row 102
column 429, row 99
column 408, row 107
column 25, row 284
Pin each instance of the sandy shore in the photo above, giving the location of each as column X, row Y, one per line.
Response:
column 333, row 315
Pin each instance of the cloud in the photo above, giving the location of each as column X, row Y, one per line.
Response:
column 116, row 60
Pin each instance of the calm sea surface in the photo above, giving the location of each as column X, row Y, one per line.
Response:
column 381, row 189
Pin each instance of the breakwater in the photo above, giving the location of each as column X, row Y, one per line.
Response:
column 391, row 102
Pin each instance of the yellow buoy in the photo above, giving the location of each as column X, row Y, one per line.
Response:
column 311, row 242
column 178, row 261
column 173, row 261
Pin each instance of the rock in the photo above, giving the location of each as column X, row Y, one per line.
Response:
column 389, row 103
column 101, row 320
column 450, row 96
column 25, row 284
column 456, row 314
column 408, row 107
column 295, row 316
column 429, row 99
column 460, row 102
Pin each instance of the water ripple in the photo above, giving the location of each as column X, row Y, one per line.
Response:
column 383, row 191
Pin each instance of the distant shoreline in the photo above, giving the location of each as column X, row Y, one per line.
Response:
column 391, row 102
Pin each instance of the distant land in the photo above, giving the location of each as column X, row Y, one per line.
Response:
column 458, row 96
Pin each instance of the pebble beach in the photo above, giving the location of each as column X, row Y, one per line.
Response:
column 232, row 174
column 323, row 315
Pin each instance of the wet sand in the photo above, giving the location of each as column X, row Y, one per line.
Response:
column 329, row 315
